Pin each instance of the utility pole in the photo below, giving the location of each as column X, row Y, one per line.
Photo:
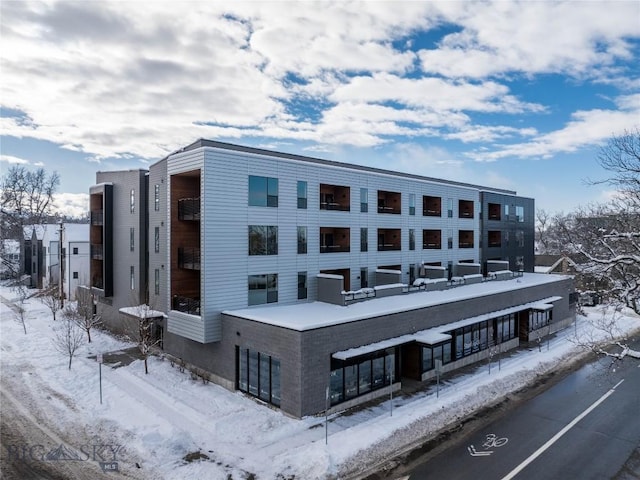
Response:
column 61, row 267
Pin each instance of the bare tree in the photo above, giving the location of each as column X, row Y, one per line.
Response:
column 621, row 158
column 605, row 337
column 51, row 298
column 82, row 312
column 146, row 339
column 25, row 198
column 19, row 305
column 68, row 337
column 88, row 317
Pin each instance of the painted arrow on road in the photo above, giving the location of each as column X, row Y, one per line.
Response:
column 474, row 453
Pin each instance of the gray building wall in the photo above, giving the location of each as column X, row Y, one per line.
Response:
column 509, row 225
column 123, row 257
column 306, row 355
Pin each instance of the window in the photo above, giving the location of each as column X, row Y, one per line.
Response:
column 133, row 277
column 259, row 375
column 412, row 204
column 358, row 376
column 450, row 207
column 450, row 239
column 75, row 275
column 156, row 197
column 263, row 240
column 364, row 200
column 302, row 285
column 132, row 201
column 364, row 241
column 412, row 239
column 520, row 238
column 156, row 239
column 263, row 289
column 157, row 281
column 132, row 239
column 263, row 191
column 75, row 250
column 412, row 274
column 302, row 194
column 506, row 212
column 519, row 214
column 364, row 277
column 302, row 240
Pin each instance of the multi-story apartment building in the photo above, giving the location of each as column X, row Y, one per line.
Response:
column 286, row 277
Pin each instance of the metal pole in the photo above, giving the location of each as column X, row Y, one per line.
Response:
column 60, row 271
column 326, row 417
column 390, row 391
column 100, row 372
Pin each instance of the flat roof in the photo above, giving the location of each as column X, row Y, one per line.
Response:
column 203, row 143
column 313, row 315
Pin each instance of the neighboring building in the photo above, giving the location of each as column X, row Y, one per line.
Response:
column 42, row 256
column 282, row 275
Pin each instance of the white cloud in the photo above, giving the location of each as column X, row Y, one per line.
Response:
column 71, row 204
column 590, row 127
column 335, row 73
column 13, row 160
column 535, row 37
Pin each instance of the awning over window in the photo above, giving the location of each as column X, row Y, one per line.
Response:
column 430, row 337
column 372, row 347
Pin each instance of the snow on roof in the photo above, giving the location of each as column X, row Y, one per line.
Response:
column 142, row 311
column 73, row 232
column 541, row 269
column 309, row 316
column 386, row 270
column 330, row 275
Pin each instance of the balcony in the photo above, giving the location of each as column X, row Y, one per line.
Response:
column 334, row 240
column 431, row 206
column 389, row 239
column 97, row 251
column 186, row 305
column 97, row 217
column 465, row 239
column 335, row 197
column 189, row 258
column 465, row 209
column 189, row 209
column 494, row 238
column 431, row 239
column 389, row 202
column 494, row 211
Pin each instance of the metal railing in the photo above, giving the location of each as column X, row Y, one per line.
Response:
column 189, row 208
column 97, row 251
column 186, row 304
column 189, row 258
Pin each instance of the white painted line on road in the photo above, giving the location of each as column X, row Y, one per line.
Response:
column 555, row 438
column 617, row 384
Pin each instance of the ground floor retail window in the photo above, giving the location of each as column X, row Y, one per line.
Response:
column 258, row 375
column 360, row 375
column 480, row 336
column 440, row 352
column 538, row 319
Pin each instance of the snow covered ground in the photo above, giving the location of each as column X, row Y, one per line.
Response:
column 159, row 418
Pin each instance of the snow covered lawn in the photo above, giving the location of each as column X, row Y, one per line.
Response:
column 160, row 418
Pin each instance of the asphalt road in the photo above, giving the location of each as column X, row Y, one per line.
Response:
column 585, row 427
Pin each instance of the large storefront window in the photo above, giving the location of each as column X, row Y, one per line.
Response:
column 440, row 352
column 505, row 328
column 259, row 375
column 471, row 339
column 538, row 319
column 357, row 376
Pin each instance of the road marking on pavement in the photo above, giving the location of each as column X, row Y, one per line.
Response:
column 555, row 438
column 474, row 453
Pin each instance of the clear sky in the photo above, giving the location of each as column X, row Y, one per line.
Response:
column 517, row 95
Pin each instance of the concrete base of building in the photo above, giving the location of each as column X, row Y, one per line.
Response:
column 382, row 392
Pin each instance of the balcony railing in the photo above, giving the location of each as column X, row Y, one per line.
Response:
column 465, row 245
column 97, row 251
column 189, row 258
column 334, row 248
column 189, row 209
column 97, row 217
column 383, row 247
column 186, row 304
column 335, row 206
column 430, row 246
column 431, row 213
